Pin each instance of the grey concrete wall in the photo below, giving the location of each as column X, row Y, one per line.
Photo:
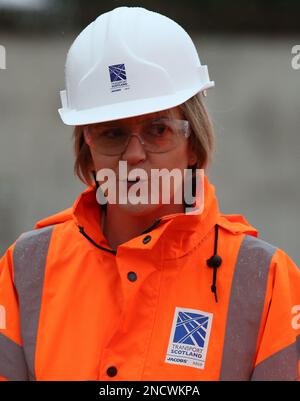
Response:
column 254, row 107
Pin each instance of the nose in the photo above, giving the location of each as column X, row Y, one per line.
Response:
column 134, row 151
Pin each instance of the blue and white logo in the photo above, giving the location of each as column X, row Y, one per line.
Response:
column 189, row 338
column 118, row 79
column 117, row 72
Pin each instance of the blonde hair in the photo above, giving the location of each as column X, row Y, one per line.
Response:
column 202, row 140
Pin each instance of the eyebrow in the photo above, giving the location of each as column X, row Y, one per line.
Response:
column 116, row 123
column 158, row 117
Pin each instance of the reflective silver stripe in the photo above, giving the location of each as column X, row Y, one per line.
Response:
column 245, row 308
column 12, row 361
column 280, row 366
column 29, row 258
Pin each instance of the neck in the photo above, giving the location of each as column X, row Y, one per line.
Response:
column 132, row 225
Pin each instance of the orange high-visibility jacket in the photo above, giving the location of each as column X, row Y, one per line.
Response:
column 157, row 308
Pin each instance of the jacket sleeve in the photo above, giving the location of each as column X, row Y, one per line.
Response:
column 12, row 361
column 278, row 350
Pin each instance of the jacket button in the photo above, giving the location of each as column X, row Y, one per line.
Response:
column 111, row 371
column 131, row 276
column 147, row 239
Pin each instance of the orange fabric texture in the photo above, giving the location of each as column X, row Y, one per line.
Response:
column 93, row 317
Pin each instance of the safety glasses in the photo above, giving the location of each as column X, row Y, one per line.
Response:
column 157, row 135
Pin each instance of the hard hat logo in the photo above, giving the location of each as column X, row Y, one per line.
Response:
column 118, row 78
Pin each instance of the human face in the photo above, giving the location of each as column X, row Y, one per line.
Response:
column 136, row 156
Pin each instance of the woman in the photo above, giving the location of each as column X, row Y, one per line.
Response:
column 113, row 290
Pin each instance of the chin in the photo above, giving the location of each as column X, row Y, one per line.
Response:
column 139, row 209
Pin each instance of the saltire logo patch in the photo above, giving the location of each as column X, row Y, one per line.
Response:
column 118, row 79
column 189, row 338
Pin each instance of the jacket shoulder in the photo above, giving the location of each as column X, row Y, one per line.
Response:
column 59, row 217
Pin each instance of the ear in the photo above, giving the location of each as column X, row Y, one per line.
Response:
column 192, row 157
column 86, row 134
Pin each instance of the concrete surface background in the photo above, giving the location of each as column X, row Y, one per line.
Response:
column 254, row 107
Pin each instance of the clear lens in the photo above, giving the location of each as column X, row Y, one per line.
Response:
column 156, row 135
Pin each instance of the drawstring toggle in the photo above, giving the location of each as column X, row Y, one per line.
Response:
column 215, row 262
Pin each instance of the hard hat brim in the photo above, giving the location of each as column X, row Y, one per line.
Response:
column 128, row 109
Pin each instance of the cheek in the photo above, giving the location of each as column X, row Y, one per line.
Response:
column 175, row 159
column 102, row 161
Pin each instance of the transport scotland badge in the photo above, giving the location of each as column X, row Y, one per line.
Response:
column 189, row 338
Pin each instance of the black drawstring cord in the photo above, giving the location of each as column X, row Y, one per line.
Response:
column 81, row 230
column 215, row 261
column 156, row 222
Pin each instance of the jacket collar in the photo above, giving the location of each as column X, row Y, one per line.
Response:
column 181, row 231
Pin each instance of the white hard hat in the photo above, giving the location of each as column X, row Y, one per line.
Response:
column 128, row 62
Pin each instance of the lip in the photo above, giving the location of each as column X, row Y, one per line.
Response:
column 130, row 183
column 133, row 181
